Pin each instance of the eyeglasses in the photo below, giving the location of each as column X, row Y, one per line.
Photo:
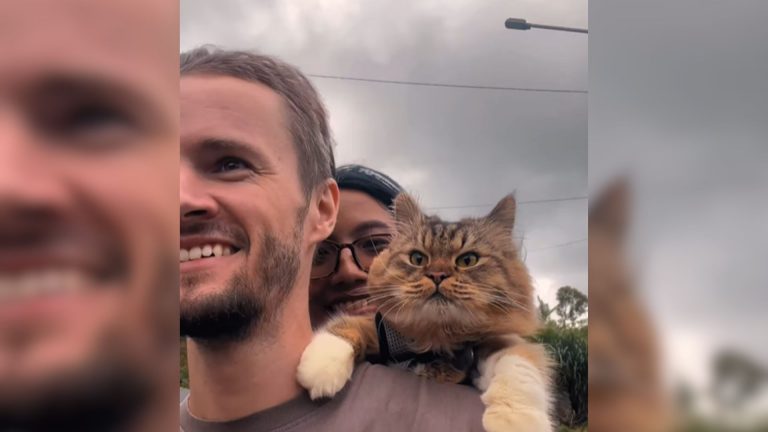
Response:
column 364, row 250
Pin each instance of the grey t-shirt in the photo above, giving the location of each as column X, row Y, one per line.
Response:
column 377, row 399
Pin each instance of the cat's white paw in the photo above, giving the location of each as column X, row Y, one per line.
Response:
column 326, row 365
column 516, row 396
column 485, row 371
column 501, row 419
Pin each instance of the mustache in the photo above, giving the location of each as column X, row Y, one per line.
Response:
column 215, row 229
column 28, row 233
column 31, row 227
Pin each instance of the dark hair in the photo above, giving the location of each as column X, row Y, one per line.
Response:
column 376, row 184
column 308, row 121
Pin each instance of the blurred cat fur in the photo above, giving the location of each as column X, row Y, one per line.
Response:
column 625, row 385
column 442, row 285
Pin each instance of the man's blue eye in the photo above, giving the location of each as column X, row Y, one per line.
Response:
column 96, row 117
column 230, row 164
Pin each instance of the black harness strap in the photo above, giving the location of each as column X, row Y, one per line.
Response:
column 394, row 349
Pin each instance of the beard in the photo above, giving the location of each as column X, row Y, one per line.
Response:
column 249, row 304
column 112, row 389
column 109, row 393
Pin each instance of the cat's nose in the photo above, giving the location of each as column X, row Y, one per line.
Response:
column 437, row 277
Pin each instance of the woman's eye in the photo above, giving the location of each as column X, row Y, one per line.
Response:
column 374, row 246
column 467, row 260
column 418, row 259
column 322, row 254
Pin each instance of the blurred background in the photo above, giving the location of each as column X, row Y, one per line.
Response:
column 677, row 143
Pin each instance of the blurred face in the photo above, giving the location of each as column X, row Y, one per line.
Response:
column 242, row 208
column 88, row 150
column 361, row 219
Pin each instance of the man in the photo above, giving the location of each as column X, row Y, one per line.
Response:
column 257, row 196
column 88, row 138
column 363, row 229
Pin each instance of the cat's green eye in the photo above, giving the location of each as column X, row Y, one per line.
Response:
column 467, row 260
column 418, row 259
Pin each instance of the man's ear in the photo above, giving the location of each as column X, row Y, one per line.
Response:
column 324, row 208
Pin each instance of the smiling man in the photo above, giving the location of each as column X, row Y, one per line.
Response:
column 88, row 138
column 257, row 197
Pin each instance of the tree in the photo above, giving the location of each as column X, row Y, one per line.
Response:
column 571, row 305
column 737, row 379
column 545, row 310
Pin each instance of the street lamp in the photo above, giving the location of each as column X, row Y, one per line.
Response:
column 521, row 24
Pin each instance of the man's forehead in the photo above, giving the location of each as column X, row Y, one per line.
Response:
column 360, row 215
column 230, row 109
column 228, row 94
column 92, row 39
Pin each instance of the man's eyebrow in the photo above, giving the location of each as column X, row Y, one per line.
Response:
column 368, row 226
column 218, row 146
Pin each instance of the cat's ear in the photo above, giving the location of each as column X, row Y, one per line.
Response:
column 504, row 212
column 406, row 210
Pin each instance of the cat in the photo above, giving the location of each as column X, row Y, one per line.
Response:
column 625, row 385
column 445, row 287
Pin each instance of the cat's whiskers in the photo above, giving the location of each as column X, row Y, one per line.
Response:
column 503, row 303
column 495, row 288
column 395, row 276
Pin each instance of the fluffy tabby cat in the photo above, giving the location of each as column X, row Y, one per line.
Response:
column 442, row 286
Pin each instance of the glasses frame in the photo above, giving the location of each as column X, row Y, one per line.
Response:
column 353, row 250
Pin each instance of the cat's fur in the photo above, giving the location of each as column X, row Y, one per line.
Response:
column 488, row 304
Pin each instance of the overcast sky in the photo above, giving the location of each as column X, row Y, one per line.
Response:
column 679, row 101
column 449, row 146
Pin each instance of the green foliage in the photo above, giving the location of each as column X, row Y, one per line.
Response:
column 566, row 341
column 183, row 368
column 568, row 348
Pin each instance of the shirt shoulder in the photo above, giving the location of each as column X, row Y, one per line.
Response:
column 401, row 400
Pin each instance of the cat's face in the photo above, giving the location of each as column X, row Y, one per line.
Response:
column 453, row 274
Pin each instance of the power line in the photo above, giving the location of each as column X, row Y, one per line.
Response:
column 573, row 242
column 432, row 84
column 575, row 198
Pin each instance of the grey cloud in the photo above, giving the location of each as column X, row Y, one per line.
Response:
column 452, row 147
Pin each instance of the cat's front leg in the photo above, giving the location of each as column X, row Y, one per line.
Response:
column 515, row 386
column 440, row 371
column 328, row 361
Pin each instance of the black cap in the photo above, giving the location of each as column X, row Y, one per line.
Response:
column 367, row 180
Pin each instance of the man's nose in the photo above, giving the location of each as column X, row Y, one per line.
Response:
column 195, row 203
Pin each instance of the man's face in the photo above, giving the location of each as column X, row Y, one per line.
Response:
column 88, row 150
column 360, row 216
column 242, row 207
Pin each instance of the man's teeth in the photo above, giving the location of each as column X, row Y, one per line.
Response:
column 29, row 284
column 206, row 251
